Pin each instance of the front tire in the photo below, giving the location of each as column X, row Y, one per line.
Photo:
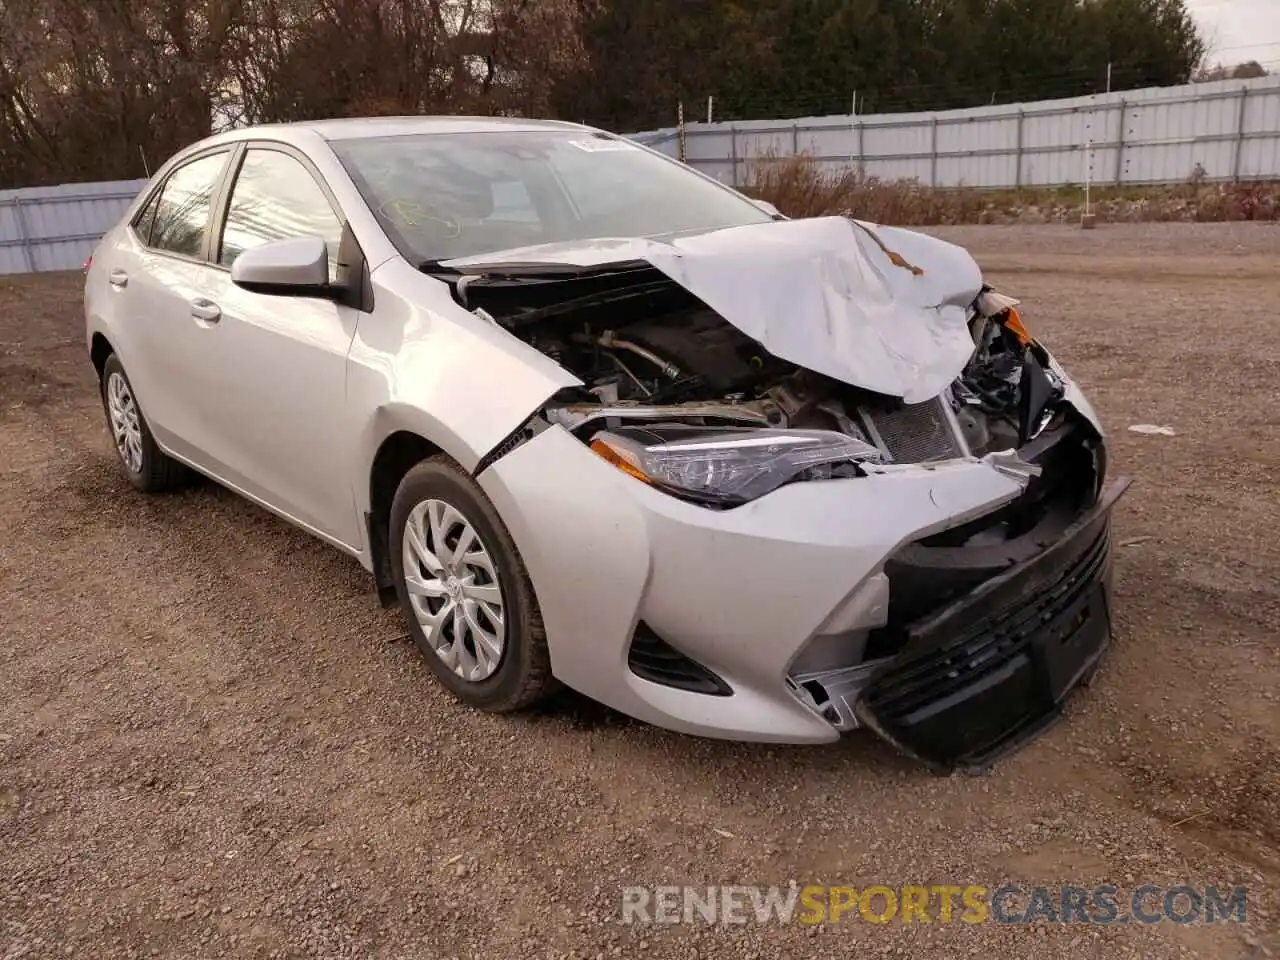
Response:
column 466, row 594
column 145, row 465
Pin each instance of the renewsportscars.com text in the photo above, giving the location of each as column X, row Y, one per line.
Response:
column 1009, row 903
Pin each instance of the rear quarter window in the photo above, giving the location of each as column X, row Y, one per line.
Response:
column 146, row 218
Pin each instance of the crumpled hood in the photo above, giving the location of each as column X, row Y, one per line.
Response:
column 882, row 308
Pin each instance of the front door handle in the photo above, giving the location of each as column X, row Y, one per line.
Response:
column 118, row 278
column 206, row 310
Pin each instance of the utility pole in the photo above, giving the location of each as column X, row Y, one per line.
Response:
column 680, row 142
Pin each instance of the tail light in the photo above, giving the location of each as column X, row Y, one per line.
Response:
column 88, row 263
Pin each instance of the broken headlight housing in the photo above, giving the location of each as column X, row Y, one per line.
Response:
column 726, row 466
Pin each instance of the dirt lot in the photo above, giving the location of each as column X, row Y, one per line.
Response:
column 213, row 742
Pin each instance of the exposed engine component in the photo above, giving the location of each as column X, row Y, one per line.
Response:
column 592, row 417
column 649, row 352
column 611, row 341
column 723, row 358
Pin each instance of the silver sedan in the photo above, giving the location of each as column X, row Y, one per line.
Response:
column 594, row 419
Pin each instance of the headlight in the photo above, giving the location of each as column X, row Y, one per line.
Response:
column 729, row 465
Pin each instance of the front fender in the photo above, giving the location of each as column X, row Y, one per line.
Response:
column 424, row 365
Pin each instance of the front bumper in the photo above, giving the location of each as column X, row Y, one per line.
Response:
column 991, row 670
column 739, row 600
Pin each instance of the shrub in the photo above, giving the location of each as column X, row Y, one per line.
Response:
column 801, row 186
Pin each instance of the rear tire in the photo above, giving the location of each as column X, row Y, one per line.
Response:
column 145, row 465
column 465, row 592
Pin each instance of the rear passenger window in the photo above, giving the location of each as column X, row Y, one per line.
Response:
column 185, row 202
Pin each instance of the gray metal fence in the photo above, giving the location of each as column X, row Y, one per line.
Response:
column 55, row 228
column 1227, row 129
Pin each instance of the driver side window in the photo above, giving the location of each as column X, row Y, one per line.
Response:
column 276, row 198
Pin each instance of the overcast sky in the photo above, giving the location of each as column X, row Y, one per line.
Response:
column 1239, row 30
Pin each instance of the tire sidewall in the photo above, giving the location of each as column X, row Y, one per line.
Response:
column 438, row 479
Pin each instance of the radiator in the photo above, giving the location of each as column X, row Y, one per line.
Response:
column 915, row 432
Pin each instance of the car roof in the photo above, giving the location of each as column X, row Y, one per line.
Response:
column 351, row 128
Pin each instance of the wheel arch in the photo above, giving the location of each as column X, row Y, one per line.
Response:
column 407, row 436
column 396, row 455
column 99, row 349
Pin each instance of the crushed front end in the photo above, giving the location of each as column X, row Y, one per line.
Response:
column 730, row 543
column 991, row 624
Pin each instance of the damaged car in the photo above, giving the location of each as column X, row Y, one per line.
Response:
column 595, row 420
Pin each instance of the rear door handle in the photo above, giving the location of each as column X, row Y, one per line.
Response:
column 118, row 278
column 206, row 310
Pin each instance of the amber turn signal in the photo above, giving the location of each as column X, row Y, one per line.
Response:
column 607, row 452
column 1013, row 323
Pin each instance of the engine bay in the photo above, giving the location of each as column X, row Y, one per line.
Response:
column 649, row 352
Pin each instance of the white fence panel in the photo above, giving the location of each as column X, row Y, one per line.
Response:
column 1230, row 129
column 55, row 228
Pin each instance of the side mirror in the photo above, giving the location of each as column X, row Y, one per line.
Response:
column 768, row 208
column 290, row 268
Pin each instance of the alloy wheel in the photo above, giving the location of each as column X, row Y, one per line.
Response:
column 126, row 425
column 454, row 589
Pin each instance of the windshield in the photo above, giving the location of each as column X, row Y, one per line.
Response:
column 441, row 196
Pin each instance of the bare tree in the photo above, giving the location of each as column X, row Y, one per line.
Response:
column 371, row 57
column 89, row 87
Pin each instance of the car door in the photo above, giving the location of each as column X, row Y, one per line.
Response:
column 157, row 270
column 276, row 365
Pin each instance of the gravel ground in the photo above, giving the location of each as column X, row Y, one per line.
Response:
column 213, row 742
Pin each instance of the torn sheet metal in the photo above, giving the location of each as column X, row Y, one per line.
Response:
column 992, row 304
column 881, row 308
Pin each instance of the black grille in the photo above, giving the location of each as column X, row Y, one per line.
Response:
column 987, row 646
column 932, row 573
column 652, row 658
